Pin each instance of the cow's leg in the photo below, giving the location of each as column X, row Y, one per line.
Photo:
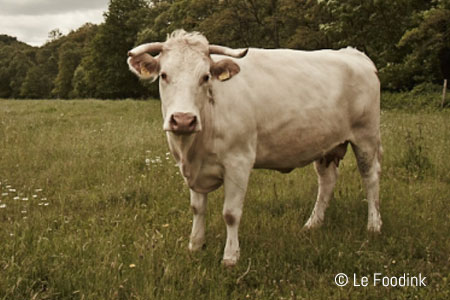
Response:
column 235, row 186
column 327, row 176
column 198, row 206
column 368, row 156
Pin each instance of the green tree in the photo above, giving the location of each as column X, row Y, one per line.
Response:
column 21, row 62
column 36, row 84
column 54, row 35
column 70, row 50
column 105, row 67
column 70, row 54
column 5, row 71
column 39, row 78
column 81, row 87
column 244, row 23
column 426, row 43
column 15, row 60
column 373, row 26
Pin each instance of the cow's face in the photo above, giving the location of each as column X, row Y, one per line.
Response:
column 185, row 70
column 184, row 81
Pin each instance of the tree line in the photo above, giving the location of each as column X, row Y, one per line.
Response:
column 409, row 41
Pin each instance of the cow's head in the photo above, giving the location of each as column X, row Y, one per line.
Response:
column 185, row 69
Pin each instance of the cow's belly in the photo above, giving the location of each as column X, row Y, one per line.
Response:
column 297, row 146
column 285, row 159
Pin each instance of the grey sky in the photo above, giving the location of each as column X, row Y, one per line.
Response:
column 31, row 20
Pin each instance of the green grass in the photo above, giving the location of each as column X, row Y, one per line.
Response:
column 91, row 207
column 425, row 96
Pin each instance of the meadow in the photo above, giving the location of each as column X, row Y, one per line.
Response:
column 93, row 207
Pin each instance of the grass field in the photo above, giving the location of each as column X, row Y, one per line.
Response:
column 92, row 207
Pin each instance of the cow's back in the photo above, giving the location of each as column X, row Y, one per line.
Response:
column 299, row 104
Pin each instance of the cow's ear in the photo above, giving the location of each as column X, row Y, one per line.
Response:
column 224, row 69
column 144, row 66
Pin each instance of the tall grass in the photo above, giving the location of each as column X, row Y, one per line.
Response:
column 92, row 207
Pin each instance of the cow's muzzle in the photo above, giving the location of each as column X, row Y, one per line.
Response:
column 183, row 123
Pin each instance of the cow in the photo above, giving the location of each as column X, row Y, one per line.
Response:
column 227, row 111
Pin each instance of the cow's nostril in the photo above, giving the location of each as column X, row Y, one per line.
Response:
column 193, row 122
column 173, row 121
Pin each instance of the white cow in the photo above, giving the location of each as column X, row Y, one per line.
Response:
column 281, row 109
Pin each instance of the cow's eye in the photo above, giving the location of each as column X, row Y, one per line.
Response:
column 205, row 78
column 164, row 76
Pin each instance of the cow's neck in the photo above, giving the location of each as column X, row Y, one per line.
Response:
column 190, row 150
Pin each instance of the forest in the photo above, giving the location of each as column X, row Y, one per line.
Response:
column 409, row 41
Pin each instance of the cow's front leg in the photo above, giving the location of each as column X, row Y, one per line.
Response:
column 198, row 206
column 235, row 185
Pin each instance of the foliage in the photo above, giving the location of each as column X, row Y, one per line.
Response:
column 425, row 96
column 105, row 69
column 70, row 54
column 16, row 58
column 36, row 84
column 54, row 34
column 68, row 60
column 409, row 41
column 427, row 41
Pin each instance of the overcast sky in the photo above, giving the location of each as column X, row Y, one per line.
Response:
column 31, row 20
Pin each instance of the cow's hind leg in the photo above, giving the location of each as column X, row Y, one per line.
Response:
column 327, row 174
column 368, row 157
column 198, row 206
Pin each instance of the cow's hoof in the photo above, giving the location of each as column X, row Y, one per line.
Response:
column 229, row 263
column 374, row 226
column 312, row 224
column 193, row 247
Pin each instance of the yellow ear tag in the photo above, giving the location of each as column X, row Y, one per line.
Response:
column 224, row 75
column 144, row 72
